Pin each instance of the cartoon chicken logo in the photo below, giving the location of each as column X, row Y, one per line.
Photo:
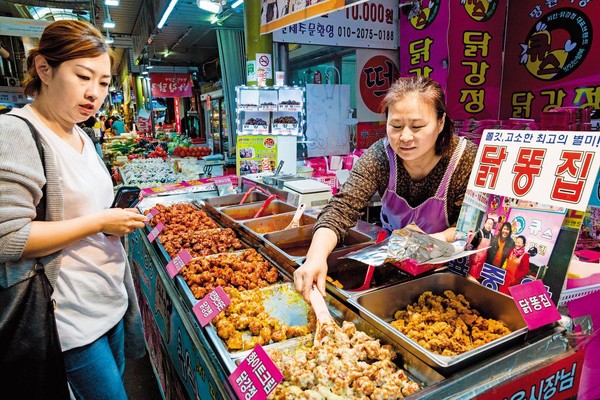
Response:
column 480, row 10
column 557, row 45
column 425, row 15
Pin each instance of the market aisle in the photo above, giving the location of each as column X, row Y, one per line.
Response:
column 140, row 382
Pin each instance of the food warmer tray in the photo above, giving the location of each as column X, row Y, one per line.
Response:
column 258, row 227
column 379, row 306
column 232, row 216
column 213, row 204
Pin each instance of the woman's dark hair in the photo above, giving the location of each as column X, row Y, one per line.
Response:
column 508, row 225
column 429, row 90
column 522, row 238
column 63, row 41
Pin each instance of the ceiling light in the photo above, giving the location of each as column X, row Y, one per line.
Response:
column 214, row 20
column 168, row 11
column 111, row 2
column 209, row 5
column 108, row 23
column 109, row 39
column 237, row 4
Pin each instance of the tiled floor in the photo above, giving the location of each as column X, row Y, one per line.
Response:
column 140, row 382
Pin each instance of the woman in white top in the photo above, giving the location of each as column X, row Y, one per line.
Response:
column 96, row 309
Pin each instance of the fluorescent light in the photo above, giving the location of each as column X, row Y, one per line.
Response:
column 109, row 39
column 111, row 2
column 214, row 20
column 209, row 5
column 167, row 13
column 237, row 4
column 108, row 24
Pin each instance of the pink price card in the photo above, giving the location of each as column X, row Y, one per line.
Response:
column 180, row 261
column 256, row 376
column 152, row 213
column 534, row 304
column 211, row 305
column 155, row 232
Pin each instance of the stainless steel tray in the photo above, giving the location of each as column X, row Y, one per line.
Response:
column 214, row 204
column 234, row 215
column 380, row 305
column 257, row 228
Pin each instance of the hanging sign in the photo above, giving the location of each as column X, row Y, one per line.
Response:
column 376, row 70
column 22, row 27
column 551, row 57
column 171, row 85
column 373, row 24
column 275, row 15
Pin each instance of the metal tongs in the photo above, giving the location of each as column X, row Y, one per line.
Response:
column 253, row 188
column 266, row 204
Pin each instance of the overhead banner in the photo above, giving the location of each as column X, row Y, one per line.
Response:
column 171, row 85
column 277, row 14
column 373, row 24
column 22, row 27
column 475, row 40
column 423, row 44
column 376, row 70
column 551, row 59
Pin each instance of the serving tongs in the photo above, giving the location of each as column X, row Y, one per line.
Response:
column 295, row 222
column 371, row 268
column 253, row 188
column 266, row 204
column 326, row 325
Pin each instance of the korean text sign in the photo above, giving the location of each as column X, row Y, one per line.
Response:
column 256, row 376
column 171, row 85
column 550, row 167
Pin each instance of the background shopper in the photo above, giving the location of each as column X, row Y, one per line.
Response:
column 420, row 169
column 96, row 309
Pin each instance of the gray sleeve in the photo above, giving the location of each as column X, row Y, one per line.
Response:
column 21, row 181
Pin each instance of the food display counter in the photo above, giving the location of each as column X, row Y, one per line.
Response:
column 193, row 362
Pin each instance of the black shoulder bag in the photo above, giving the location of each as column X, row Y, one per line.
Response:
column 31, row 360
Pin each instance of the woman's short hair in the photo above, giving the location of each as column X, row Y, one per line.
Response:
column 431, row 91
column 63, row 41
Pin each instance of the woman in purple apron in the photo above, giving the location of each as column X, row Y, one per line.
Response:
column 420, row 170
column 480, row 241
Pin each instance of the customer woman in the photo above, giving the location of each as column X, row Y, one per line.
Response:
column 420, row 170
column 516, row 264
column 97, row 315
column 500, row 246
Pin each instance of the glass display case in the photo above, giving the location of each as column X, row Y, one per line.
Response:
column 218, row 129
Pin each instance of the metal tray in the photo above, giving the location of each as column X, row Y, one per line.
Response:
column 214, row 204
column 233, row 215
column 380, row 305
column 417, row 370
column 257, row 228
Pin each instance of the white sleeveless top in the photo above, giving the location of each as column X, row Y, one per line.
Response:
column 90, row 292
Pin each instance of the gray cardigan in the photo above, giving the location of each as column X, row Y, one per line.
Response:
column 21, row 182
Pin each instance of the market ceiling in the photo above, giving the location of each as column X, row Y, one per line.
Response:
column 188, row 38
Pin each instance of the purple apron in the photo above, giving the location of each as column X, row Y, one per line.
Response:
column 431, row 215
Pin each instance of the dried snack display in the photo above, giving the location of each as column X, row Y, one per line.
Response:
column 345, row 363
column 288, row 119
column 242, row 270
column 447, row 325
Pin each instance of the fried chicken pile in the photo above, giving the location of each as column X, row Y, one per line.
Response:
column 245, row 323
column 344, row 363
column 187, row 227
column 243, row 270
column 446, row 325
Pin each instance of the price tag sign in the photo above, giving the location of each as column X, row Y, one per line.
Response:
column 534, row 304
column 256, row 376
column 152, row 213
column 155, row 232
column 180, row 261
column 211, row 305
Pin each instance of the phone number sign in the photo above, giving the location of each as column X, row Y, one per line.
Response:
column 551, row 167
column 372, row 24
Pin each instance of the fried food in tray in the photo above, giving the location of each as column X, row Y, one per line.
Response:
column 345, row 363
column 201, row 242
column 243, row 270
column 447, row 325
column 263, row 316
column 182, row 216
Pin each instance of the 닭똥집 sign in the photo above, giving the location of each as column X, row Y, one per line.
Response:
column 211, row 305
column 534, row 304
column 551, row 167
column 256, row 376
column 177, row 263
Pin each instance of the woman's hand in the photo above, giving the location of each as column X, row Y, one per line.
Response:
column 121, row 221
column 311, row 273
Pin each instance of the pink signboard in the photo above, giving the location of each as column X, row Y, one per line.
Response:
column 155, row 232
column 256, row 376
column 551, row 58
column 171, row 85
column 211, row 305
column 424, row 40
column 475, row 41
column 534, row 304
column 180, row 261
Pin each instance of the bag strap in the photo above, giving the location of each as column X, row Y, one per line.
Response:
column 40, row 209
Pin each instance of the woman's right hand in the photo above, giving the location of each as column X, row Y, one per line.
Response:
column 311, row 273
column 121, row 221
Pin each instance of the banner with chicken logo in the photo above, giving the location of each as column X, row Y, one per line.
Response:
column 551, row 59
column 475, row 41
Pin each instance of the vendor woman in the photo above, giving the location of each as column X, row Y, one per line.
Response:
column 420, row 170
